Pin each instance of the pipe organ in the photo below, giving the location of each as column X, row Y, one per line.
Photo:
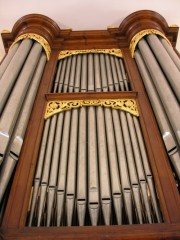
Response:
column 89, row 131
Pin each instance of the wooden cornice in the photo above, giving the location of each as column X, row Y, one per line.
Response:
column 59, row 39
column 146, row 19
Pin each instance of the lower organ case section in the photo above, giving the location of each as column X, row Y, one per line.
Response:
column 93, row 169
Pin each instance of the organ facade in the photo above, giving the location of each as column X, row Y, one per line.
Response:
column 90, row 130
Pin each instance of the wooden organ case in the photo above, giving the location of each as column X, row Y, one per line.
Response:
column 57, row 42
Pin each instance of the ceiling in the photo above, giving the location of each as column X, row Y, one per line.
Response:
column 85, row 14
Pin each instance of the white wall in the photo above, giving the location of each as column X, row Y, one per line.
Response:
column 85, row 15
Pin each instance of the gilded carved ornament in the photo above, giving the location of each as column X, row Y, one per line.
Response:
column 114, row 51
column 57, row 106
column 37, row 38
column 141, row 34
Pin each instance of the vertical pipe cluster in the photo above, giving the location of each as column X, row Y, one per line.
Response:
column 160, row 70
column 20, row 73
column 91, row 73
column 92, row 167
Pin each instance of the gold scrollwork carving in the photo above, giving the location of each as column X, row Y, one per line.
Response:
column 141, row 34
column 37, row 38
column 57, row 106
column 114, row 51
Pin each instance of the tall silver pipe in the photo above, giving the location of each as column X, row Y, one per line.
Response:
column 84, row 73
column 93, row 181
column 14, row 104
column 56, row 83
column 8, row 59
column 119, row 73
column 97, row 73
column 72, row 165
column 164, row 125
column 103, row 73
column 62, row 75
column 171, row 71
column 171, row 52
column 104, row 180
column 109, row 73
column 62, row 172
column 77, row 83
column 82, row 167
column 165, row 93
column 53, row 175
column 15, row 145
column 91, row 85
column 10, row 75
column 124, row 76
column 113, row 164
column 72, row 74
column 67, row 74
column 114, row 72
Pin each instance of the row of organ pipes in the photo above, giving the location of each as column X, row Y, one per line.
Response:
column 20, row 75
column 92, row 168
column 91, row 73
column 106, row 179
column 159, row 67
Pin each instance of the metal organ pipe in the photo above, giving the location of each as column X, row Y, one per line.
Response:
column 165, row 93
column 109, row 73
column 72, row 73
column 113, row 165
column 103, row 73
column 114, row 72
column 171, row 52
column 103, row 166
column 8, row 59
column 97, row 73
column 93, row 180
column 78, row 74
column 171, row 71
column 82, row 167
column 9, row 77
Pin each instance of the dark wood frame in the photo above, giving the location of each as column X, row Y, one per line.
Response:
column 13, row 226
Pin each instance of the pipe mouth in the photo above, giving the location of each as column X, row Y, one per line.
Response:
column 93, row 205
column 14, row 155
column 172, row 150
column 81, row 201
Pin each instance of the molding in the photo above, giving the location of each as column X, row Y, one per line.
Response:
column 128, row 105
column 147, row 19
column 37, row 38
column 113, row 51
column 120, row 38
column 5, row 31
column 141, row 34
